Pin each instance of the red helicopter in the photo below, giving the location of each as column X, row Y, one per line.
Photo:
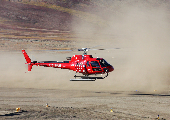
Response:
column 85, row 64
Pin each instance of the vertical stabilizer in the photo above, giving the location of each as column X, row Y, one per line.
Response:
column 26, row 56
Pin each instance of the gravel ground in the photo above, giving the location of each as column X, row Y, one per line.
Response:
column 73, row 104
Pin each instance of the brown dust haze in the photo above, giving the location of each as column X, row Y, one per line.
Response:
column 140, row 28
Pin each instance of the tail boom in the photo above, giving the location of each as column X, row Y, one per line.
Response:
column 54, row 64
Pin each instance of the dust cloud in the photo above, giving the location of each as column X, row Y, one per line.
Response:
column 14, row 72
column 140, row 28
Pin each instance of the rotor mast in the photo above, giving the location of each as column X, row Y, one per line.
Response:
column 85, row 50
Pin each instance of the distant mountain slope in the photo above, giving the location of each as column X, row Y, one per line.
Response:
column 32, row 24
column 50, row 14
column 26, row 15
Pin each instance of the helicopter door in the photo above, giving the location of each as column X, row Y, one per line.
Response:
column 88, row 67
column 95, row 66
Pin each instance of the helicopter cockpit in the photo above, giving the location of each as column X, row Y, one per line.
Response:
column 96, row 65
column 101, row 62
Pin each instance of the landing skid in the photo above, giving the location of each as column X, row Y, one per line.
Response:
column 86, row 78
column 82, row 79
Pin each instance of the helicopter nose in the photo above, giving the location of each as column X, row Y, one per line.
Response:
column 111, row 68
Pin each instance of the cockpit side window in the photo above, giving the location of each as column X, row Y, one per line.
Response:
column 94, row 64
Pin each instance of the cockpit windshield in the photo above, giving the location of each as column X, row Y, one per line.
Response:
column 103, row 63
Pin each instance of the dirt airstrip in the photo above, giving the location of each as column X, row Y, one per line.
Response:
column 78, row 104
